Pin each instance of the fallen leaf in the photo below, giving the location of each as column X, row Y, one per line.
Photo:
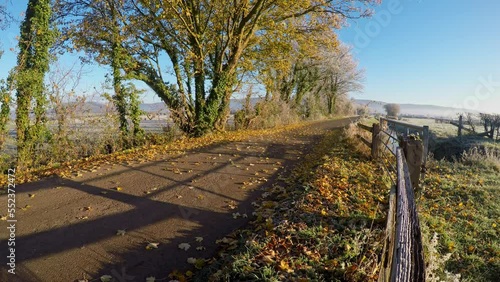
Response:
column 199, row 239
column 285, row 267
column 151, row 279
column 106, row 278
column 120, row 232
column 267, row 259
column 184, row 246
column 151, row 246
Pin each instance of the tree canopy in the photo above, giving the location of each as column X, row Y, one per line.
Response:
column 206, row 45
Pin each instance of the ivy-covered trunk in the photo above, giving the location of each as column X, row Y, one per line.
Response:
column 33, row 62
column 214, row 111
column 119, row 97
column 4, row 113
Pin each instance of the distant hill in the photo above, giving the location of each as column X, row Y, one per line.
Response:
column 158, row 107
column 238, row 104
column 413, row 109
column 375, row 107
column 234, row 105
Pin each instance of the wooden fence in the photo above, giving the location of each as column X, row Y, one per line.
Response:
column 402, row 258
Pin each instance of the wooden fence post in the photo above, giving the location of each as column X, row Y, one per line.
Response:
column 375, row 140
column 460, row 125
column 413, row 151
column 425, row 140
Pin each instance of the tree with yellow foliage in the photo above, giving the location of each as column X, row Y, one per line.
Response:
column 205, row 45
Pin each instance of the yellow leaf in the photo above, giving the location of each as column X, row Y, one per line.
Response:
column 285, row 267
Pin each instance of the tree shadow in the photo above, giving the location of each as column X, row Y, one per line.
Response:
column 153, row 217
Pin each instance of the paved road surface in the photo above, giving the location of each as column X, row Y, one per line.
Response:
column 69, row 231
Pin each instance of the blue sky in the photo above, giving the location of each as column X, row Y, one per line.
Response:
column 440, row 52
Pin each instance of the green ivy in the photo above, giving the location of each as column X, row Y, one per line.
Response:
column 37, row 36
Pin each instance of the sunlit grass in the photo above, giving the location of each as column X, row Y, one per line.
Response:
column 461, row 203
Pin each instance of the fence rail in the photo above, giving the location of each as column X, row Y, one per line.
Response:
column 422, row 131
column 402, row 258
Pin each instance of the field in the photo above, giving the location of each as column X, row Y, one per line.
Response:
column 85, row 136
column 440, row 130
column 459, row 206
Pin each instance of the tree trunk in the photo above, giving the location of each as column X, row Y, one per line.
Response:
column 33, row 62
column 119, row 97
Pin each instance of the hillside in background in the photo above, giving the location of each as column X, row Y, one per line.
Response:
column 375, row 107
column 414, row 109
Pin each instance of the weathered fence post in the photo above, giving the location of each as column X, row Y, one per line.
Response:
column 413, row 151
column 460, row 125
column 375, row 140
column 425, row 140
column 388, row 252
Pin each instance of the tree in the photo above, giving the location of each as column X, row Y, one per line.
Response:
column 286, row 58
column 116, row 65
column 36, row 38
column 340, row 75
column 392, row 109
column 5, row 99
column 491, row 123
column 4, row 111
column 208, row 44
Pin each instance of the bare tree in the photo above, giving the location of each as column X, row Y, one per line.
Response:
column 392, row 110
column 469, row 119
column 339, row 75
column 491, row 124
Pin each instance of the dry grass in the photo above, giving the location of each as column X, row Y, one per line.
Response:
column 482, row 157
column 353, row 132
